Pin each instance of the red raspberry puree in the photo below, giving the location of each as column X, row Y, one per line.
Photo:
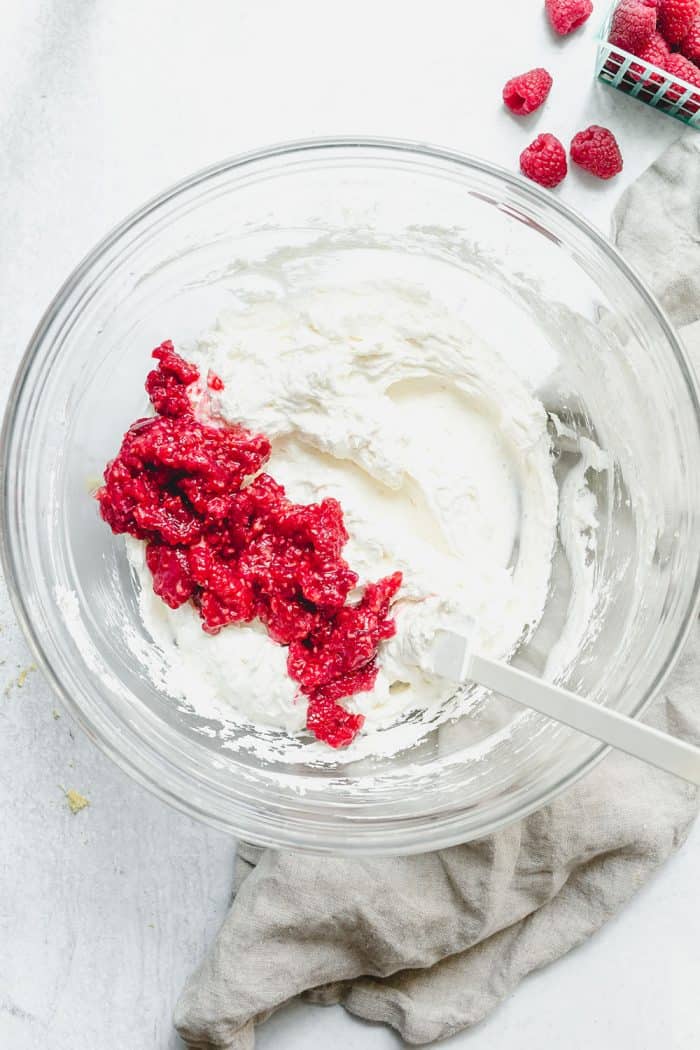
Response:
column 240, row 549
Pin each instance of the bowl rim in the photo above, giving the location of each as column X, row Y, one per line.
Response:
column 412, row 840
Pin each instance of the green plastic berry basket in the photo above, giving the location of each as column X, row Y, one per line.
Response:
column 645, row 82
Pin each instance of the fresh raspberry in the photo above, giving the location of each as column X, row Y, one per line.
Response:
column 684, row 69
column 675, row 19
column 596, row 150
column 544, row 161
column 526, row 93
column 690, row 44
column 567, row 15
column 633, row 23
column 655, row 52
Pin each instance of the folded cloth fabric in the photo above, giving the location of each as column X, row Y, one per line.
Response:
column 430, row 944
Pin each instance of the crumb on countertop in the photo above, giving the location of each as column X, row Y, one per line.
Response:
column 21, row 678
column 24, row 674
column 75, row 800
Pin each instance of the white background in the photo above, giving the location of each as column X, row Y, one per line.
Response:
column 102, row 103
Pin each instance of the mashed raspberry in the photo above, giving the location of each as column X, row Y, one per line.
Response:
column 239, row 549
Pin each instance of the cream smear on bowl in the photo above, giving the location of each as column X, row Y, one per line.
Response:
column 441, row 457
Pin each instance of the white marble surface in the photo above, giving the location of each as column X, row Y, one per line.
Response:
column 102, row 914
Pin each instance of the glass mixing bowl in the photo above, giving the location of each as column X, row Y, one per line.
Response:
column 525, row 271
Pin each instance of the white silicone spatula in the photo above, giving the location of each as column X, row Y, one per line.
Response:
column 452, row 657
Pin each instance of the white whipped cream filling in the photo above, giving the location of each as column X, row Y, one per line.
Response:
column 440, row 457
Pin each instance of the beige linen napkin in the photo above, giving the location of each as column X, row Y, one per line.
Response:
column 430, row 944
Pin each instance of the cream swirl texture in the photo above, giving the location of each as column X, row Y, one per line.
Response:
column 439, row 455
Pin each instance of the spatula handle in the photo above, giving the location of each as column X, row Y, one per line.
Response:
column 602, row 723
